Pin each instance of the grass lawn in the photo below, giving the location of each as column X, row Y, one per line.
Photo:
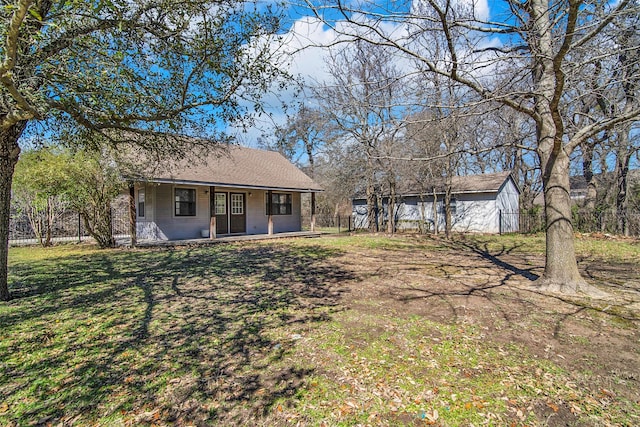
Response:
column 360, row 330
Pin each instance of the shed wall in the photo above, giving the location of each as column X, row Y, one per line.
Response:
column 475, row 212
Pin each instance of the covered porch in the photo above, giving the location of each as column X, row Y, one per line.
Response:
column 221, row 239
column 215, row 213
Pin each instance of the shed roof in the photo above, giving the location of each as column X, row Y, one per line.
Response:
column 482, row 183
column 236, row 166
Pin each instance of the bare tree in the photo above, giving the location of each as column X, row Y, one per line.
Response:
column 301, row 137
column 513, row 136
column 531, row 47
column 364, row 103
column 610, row 90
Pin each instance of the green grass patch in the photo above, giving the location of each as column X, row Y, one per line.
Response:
column 419, row 371
column 153, row 336
column 601, row 249
column 272, row 333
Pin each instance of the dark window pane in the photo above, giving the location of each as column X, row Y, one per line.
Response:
column 280, row 204
column 185, row 202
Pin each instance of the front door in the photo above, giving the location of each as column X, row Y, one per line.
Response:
column 238, row 219
column 222, row 219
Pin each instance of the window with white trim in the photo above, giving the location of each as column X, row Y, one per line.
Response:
column 141, row 204
column 185, row 202
column 237, row 204
column 221, row 203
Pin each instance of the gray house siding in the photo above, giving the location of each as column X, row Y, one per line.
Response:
column 160, row 222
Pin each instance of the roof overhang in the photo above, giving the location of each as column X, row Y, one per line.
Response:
column 438, row 193
column 222, row 184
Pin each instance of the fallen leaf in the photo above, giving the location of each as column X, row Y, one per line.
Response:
column 553, row 406
column 4, row 408
column 432, row 417
column 606, row 393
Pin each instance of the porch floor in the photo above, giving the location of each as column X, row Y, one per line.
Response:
column 225, row 239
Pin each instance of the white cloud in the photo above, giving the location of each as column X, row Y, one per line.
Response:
column 472, row 9
column 309, row 41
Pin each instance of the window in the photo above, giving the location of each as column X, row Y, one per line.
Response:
column 237, row 204
column 221, row 203
column 280, row 204
column 140, row 203
column 453, row 205
column 185, row 202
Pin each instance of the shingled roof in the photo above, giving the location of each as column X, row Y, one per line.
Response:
column 237, row 167
column 482, row 183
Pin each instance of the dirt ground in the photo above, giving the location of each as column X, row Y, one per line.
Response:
column 335, row 331
column 468, row 285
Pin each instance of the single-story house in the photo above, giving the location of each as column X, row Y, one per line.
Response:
column 232, row 192
column 487, row 203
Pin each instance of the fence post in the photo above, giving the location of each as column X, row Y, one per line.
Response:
column 312, row 226
column 500, row 221
column 349, row 223
column 79, row 228
column 133, row 227
column 338, row 224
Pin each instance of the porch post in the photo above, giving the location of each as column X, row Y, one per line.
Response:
column 269, row 213
column 313, row 212
column 212, row 210
column 133, row 232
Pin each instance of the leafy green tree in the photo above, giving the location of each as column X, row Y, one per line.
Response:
column 120, row 68
column 94, row 182
column 39, row 186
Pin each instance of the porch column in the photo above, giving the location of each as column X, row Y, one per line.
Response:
column 313, row 212
column 212, row 210
column 133, row 232
column 269, row 213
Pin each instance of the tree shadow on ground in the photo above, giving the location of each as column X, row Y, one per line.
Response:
column 180, row 335
column 483, row 251
column 454, row 276
column 491, row 289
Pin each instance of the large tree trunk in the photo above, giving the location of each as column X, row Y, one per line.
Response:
column 561, row 268
column 9, row 154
